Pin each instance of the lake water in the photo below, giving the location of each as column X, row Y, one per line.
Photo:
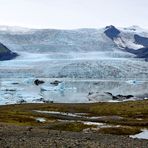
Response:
column 69, row 91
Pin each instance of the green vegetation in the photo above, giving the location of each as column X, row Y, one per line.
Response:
column 134, row 115
column 120, row 130
column 70, row 126
column 127, row 109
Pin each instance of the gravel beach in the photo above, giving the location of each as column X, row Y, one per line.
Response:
column 38, row 137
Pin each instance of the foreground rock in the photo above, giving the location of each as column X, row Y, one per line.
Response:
column 15, row 136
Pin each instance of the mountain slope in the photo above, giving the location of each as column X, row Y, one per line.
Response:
column 129, row 41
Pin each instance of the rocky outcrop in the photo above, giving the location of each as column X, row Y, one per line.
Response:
column 111, row 32
column 140, row 53
column 143, row 53
column 6, row 54
column 141, row 40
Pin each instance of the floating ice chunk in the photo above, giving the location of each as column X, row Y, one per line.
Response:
column 28, row 81
column 8, row 96
column 59, row 87
column 10, row 89
column 131, row 81
column 134, row 82
column 101, row 96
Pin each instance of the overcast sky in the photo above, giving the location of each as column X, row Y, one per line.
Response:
column 67, row 14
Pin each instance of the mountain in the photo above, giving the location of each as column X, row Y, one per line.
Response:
column 129, row 41
column 5, row 53
column 109, row 39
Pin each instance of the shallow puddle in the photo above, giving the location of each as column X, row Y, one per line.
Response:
column 40, row 119
column 142, row 135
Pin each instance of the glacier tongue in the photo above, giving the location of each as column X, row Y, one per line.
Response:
column 98, row 65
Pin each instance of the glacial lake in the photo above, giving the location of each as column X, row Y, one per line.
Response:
column 12, row 90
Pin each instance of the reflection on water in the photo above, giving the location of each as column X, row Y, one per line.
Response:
column 69, row 91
